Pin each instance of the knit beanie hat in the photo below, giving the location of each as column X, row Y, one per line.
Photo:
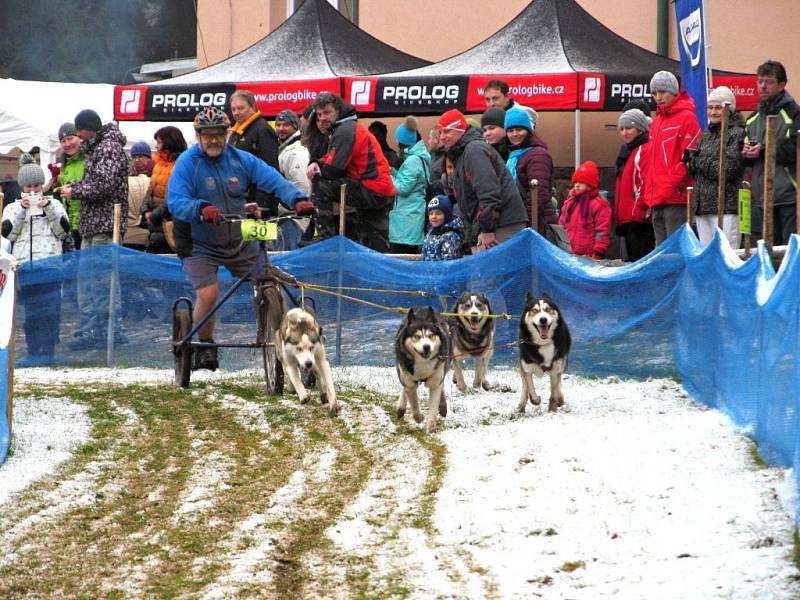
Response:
column 516, row 117
column 587, row 173
column 88, row 120
column 642, row 105
column 721, row 95
column 634, row 118
column 141, row 149
column 442, row 203
column 406, row 133
column 494, row 115
column 29, row 173
column 66, row 130
column 290, row 117
column 664, row 81
column 453, row 119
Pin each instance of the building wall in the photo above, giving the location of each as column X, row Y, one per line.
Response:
column 742, row 35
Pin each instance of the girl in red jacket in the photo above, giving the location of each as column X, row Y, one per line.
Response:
column 586, row 215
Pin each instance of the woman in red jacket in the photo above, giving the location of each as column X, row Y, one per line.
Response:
column 586, row 215
column 630, row 211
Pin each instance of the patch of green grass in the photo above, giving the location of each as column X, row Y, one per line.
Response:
column 755, row 455
column 570, row 566
column 796, row 548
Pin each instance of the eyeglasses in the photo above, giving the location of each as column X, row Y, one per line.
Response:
column 770, row 81
column 213, row 136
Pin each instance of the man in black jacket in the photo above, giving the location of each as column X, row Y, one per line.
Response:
column 774, row 100
column 487, row 196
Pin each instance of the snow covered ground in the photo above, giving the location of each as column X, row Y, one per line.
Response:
column 631, row 491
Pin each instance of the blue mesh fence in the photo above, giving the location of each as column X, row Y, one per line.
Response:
column 729, row 330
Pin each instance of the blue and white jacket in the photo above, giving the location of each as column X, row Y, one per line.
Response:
column 199, row 180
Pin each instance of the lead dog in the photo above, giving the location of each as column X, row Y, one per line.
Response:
column 544, row 344
column 472, row 334
column 300, row 346
column 422, row 356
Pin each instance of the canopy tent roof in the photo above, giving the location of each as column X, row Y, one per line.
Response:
column 554, row 55
column 306, row 55
column 32, row 112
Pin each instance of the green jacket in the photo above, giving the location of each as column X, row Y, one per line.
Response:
column 785, row 149
column 71, row 172
column 407, row 219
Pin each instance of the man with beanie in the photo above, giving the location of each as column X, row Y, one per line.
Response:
column 292, row 163
column 487, row 195
column 353, row 158
column 141, row 159
column 586, row 215
column 494, row 130
column 674, row 130
column 630, row 210
column 104, row 184
column 496, row 93
column 774, row 100
column 71, row 171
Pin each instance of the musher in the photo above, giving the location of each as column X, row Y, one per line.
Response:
column 210, row 180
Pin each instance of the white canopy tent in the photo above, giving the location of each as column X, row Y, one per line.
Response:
column 32, row 111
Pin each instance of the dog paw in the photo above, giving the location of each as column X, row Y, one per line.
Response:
column 521, row 408
column 401, row 412
column 463, row 389
column 443, row 408
column 485, row 385
column 553, row 405
column 536, row 400
column 304, row 398
column 323, row 398
column 333, row 409
column 430, row 426
column 419, row 417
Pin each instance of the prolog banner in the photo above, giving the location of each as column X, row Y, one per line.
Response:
column 182, row 102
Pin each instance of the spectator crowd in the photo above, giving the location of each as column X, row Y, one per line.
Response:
column 466, row 187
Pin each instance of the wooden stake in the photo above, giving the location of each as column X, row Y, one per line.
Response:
column 534, row 191
column 796, row 175
column 342, row 210
column 723, row 159
column 116, row 235
column 689, row 204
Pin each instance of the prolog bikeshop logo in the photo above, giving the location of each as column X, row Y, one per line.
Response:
column 130, row 101
column 361, row 92
column 691, row 28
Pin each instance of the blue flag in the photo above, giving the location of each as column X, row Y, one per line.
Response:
column 692, row 48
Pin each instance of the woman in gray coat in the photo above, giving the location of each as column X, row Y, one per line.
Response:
column 703, row 165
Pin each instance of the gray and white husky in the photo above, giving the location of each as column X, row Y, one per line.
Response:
column 472, row 335
column 422, row 353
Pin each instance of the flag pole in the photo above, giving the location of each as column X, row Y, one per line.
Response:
column 706, row 46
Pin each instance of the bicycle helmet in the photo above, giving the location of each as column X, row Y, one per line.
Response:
column 211, row 118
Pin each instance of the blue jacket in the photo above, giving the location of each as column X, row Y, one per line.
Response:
column 198, row 180
column 407, row 218
column 444, row 243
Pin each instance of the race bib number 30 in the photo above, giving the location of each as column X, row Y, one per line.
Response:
column 253, row 229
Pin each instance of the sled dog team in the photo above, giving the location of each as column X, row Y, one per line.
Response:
column 426, row 345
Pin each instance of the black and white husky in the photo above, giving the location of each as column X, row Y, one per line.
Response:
column 544, row 343
column 422, row 354
column 300, row 347
column 472, row 334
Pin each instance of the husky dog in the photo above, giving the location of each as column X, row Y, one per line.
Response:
column 422, row 356
column 299, row 346
column 472, row 334
column 544, row 343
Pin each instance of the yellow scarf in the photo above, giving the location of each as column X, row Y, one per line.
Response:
column 240, row 128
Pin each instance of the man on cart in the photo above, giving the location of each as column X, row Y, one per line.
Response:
column 209, row 181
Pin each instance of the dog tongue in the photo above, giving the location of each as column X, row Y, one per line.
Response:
column 542, row 331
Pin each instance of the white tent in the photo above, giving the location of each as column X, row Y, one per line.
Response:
column 32, row 111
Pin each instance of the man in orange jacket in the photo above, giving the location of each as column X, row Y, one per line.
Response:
column 354, row 158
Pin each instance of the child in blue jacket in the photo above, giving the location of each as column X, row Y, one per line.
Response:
column 446, row 235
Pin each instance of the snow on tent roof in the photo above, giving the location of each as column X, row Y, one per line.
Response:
column 316, row 42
